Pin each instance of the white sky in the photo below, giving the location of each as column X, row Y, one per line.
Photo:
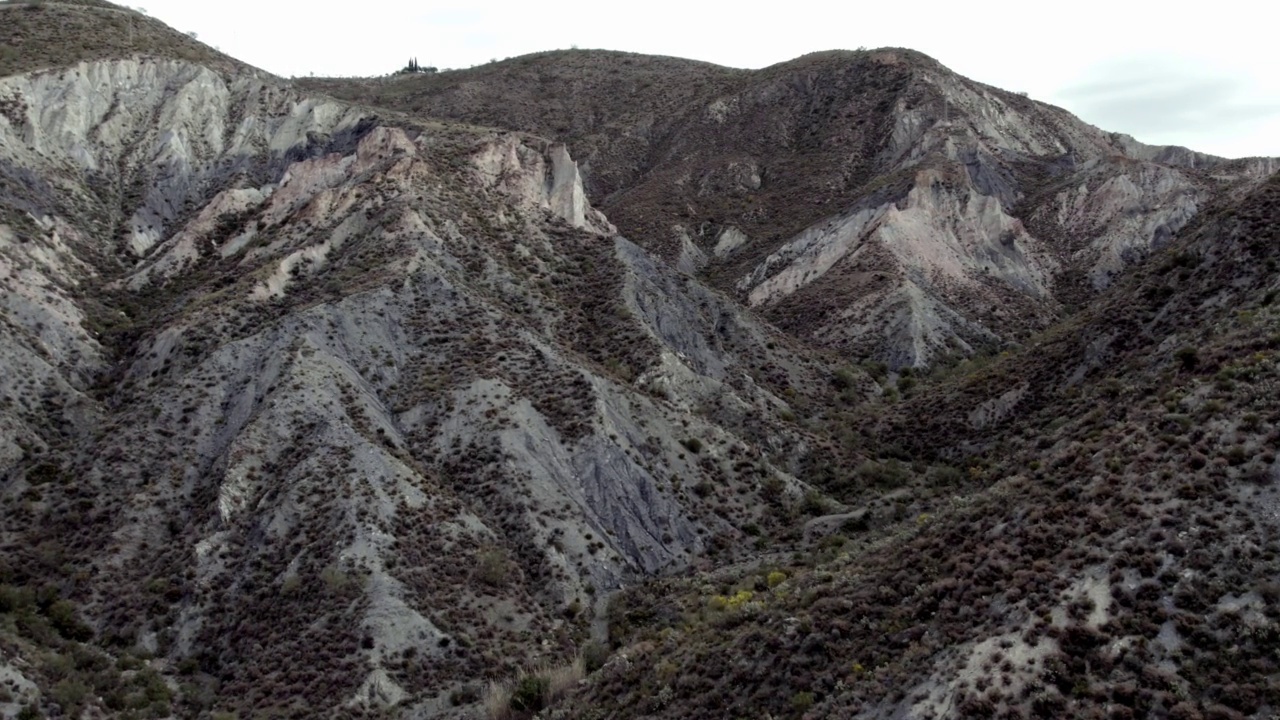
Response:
column 1209, row 80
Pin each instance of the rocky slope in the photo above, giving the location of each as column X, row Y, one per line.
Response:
column 318, row 407
column 290, row 378
column 1109, row 552
column 872, row 202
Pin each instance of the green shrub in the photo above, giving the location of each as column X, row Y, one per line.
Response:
column 492, row 567
column 813, row 504
column 693, row 445
column 1189, row 357
column 844, row 378
column 876, row 369
column 889, row 474
column 802, row 701
column 948, row 476
column 530, row 693
column 465, row 695
column 334, row 578
column 13, row 599
column 62, row 615
column 70, row 694
column 594, row 656
column 1237, row 455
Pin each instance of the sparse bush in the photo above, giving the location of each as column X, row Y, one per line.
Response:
column 530, row 693
column 1237, row 455
column 813, row 504
column 464, row 695
column 563, row 678
column 70, row 694
column 948, row 476
column 62, row 616
column 13, row 599
column 843, row 379
column 533, row 690
column 734, row 602
column 1188, row 357
column 497, row 701
column 877, row 370
column 492, row 567
column 594, row 656
column 887, row 475
column 906, row 383
column 334, row 578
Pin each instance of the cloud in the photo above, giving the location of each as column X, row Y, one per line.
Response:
column 1154, row 98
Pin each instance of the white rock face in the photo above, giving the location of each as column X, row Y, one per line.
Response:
column 539, row 177
column 1126, row 215
column 729, row 239
column 942, row 239
column 809, row 256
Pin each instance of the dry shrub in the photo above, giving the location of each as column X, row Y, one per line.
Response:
column 497, row 701
column 564, row 678
column 553, row 683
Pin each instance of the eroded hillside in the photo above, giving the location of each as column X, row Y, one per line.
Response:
column 286, row 377
column 1110, row 551
column 872, row 202
column 632, row 384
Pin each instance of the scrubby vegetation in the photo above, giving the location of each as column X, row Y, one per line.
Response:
column 392, row 437
column 1119, row 542
column 37, row 35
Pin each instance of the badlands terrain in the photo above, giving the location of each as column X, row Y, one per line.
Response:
column 596, row 385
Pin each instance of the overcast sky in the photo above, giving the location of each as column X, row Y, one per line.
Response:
column 1207, row 80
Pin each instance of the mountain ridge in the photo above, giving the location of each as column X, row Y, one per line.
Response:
column 725, row 172
column 288, row 376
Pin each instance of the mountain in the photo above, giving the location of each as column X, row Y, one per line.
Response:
column 627, row 386
column 871, row 202
column 286, row 377
column 1115, row 556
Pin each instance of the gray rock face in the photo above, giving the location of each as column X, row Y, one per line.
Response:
column 355, row 391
